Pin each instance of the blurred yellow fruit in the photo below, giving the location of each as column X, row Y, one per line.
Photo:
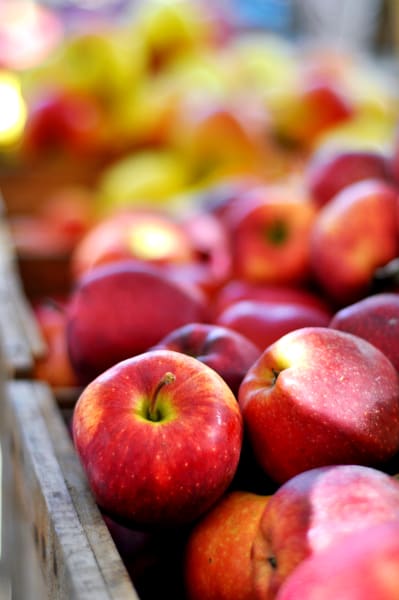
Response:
column 146, row 178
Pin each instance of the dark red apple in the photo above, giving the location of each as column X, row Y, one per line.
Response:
column 119, row 310
column 329, row 172
column 264, row 322
column 376, row 319
column 226, row 351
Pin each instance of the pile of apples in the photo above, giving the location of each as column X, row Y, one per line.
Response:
column 237, row 367
column 232, row 324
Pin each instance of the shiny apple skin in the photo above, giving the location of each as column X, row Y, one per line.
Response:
column 158, row 473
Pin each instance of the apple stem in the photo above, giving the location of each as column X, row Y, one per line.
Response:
column 153, row 412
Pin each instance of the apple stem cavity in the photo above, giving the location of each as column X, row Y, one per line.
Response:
column 154, row 413
column 275, row 374
column 272, row 561
column 277, row 233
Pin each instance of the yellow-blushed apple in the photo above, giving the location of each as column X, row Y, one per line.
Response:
column 217, row 556
column 270, row 227
column 313, row 511
column 142, row 234
column 159, row 436
column 354, row 234
column 320, row 396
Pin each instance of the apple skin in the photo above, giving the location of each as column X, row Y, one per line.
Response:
column 63, row 120
column 269, row 228
column 355, row 233
column 241, row 289
column 119, row 310
column 162, row 470
column 312, row 512
column 329, row 172
column 226, row 351
column 264, row 322
column 363, row 566
column 130, row 234
column 376, row 319
column 217, row 556
column 320, row 396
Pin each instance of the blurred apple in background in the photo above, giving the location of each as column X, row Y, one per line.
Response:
column 376, row 319
column 226, row 351
column 146, row 178
column 235, row 290
column 159, row 436
column 211, row 262
column 265, row 321
column 362, row 566
column 270, row 228
column 143, row 234
column 354, row 233
column 62, row 121
column 312, row 512
column 320, row 396
column 328, row 172
column 217, row 556
column 308, row 109
column 54, row 366
column 119, row 310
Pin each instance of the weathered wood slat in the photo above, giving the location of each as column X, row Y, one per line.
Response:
column 21, row 338
column 75, row 553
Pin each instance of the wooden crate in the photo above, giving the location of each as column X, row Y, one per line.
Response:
column 50, row 522
column 55, row 542
column 21, row 338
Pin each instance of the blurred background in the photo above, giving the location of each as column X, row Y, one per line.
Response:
column 112, row 104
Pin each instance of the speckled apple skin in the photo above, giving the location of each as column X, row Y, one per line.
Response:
column 158, row 473
column 320, row 396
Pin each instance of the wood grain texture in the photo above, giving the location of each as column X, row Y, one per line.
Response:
column 69, row 553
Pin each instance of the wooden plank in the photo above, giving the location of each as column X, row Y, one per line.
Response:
column 74, row 550
column 21, row 337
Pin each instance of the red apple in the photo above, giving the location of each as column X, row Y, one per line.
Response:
column 270, row 228
column 141, row 234
column 264, row 322
column 329, row 172
column 312, row 512
column 210, row 266
column 159, row 436
column 320, row 396
column 217, row 556
column 240, row 289
column 353, row 235
column 376, row 319
column 122, row 309
column 61, row 120
column 363, row 566
column 226, row 351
